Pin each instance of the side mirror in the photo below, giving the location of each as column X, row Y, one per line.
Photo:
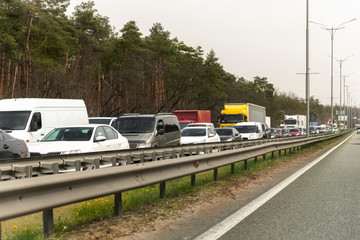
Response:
column 160, row 131
column 100, row 139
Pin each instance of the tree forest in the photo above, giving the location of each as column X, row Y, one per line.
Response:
column 44, row 53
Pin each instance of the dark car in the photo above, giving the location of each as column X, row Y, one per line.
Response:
column 228, row 134
column 273, row 133
column 11, row 147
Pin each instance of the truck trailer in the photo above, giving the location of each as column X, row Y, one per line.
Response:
column 192, row 116
column 241, row 112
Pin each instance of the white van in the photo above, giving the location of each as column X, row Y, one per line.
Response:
column 31, row 119
column 250, row 130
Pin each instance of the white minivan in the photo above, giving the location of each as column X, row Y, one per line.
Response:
column 250, row 130
column 31, row 119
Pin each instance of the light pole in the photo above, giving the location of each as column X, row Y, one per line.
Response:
column 341, row 61
column 332, row 32
column 307, row 78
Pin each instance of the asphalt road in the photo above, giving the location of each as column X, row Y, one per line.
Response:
column 323, row 203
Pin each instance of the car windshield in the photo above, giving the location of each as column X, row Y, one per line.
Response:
column 193, row 132
column 231, row 118
column 69, row 134
column 134, row 124
column 14, row 120
column 100, row 120
column 183, row 124
column 294, row 130
column 224, row 131
column 290, row 121
column 246, row 129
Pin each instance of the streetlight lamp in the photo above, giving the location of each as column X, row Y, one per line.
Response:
column 332, row 31
column 341, row 61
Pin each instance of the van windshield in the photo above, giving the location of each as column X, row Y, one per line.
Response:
column 246, row 129
column 14, row 120
column 134, row 124
column 290, row 121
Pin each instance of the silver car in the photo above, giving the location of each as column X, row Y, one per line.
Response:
column 11, row 147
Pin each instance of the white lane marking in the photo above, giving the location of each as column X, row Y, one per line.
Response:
column 227, row 224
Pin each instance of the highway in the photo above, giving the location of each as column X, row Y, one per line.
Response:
column 322, row 202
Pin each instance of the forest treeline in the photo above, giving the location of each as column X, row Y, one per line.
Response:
column 45, row 53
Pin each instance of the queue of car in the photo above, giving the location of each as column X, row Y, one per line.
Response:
column 37, row 127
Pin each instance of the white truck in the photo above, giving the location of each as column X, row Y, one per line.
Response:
column 294, row 121
column 31, row 119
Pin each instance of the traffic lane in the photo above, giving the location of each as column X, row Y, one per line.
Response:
column 322, row 204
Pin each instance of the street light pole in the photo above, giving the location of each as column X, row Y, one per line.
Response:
column 341, row 61
column 307, row 80
column 332, row 32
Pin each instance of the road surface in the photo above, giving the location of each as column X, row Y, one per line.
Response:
column 321, row 201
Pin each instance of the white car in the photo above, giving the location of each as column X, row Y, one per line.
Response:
column 79, row 139
column 250, row 130
column 196, row 135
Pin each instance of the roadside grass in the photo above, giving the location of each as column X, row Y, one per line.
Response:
column 72, row 216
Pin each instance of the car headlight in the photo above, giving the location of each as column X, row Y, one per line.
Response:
column 228, row 140
column 70, row 152
column 252, row 136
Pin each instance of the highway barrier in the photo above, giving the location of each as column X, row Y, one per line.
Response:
column 34, row 194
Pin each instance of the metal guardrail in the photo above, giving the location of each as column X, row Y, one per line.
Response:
column 13, row 169
column 30, row 195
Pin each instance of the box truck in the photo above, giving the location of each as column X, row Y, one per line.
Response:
column 241, row 112
column 294, row 121
column 192, row 116
column 31, row 119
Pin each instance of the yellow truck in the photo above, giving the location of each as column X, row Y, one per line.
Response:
column 241, row 112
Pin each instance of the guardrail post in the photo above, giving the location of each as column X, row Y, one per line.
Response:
column 255, row 160
column 264, row 157
column 279, row 153
column 272, row 155
column 162, row 189
column 245, row 164
column 55, row 168
column 77, row 165
column 232, row 168
column 284, row 152
column 118, row 204
column 193, row 179
column 48, row 222
column 29, row 171
column 215, row 174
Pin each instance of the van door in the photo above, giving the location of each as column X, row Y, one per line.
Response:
column 161, row 135
column 172, row 131
column 35, row 128
column 260, row 132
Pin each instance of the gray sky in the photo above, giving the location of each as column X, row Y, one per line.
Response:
column 263, row 38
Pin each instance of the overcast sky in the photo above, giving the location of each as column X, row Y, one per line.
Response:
column 263, row 38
